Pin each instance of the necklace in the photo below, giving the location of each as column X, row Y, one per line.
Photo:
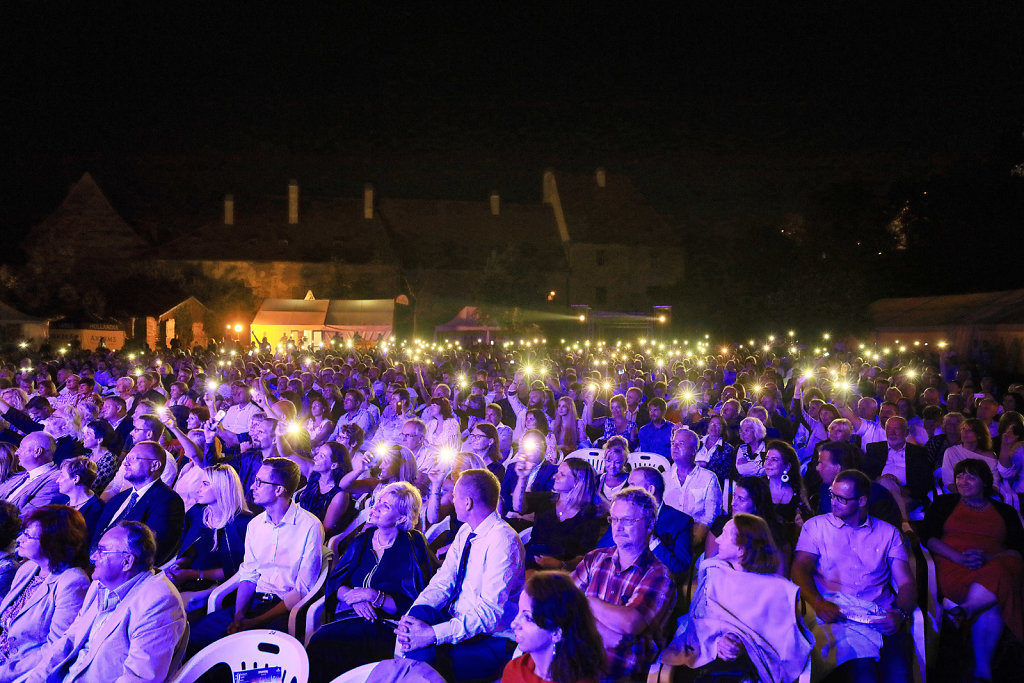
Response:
column 975, row 504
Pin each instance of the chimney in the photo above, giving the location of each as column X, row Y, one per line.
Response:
column 600, row 175
column 229, row 209
column 495, row 203
column 293, row 202
column 368, row 201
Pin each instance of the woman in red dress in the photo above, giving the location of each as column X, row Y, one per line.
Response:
column 977, row 543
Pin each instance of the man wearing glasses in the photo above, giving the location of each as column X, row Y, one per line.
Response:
column 132, row 623
column 283, row 557
column 846, row 564
column 629, row 589
column 146, row 499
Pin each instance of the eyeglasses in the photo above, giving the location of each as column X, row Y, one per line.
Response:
column 263, row 482
column 104, row 551
column 843, row 499
column 475, row 435
column 624, row 521
column 26, row 534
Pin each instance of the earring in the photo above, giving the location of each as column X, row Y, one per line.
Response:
column 785, row 477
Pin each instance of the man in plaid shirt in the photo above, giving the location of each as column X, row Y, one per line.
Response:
column 629, row 590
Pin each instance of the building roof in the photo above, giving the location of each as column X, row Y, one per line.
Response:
column 328, row 229
column 983, row 308
column 12, row 316
column 617, row 213
column 84, row 222
column 461, row 234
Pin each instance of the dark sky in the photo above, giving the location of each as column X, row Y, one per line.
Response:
column 724, row 114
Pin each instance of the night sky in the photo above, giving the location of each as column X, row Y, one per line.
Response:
column 726, row 115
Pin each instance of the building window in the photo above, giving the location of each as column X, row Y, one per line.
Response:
column 601, row 296
column 599, row 257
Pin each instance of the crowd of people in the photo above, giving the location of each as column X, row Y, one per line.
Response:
column 591, row 509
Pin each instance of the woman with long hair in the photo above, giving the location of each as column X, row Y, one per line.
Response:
column 48, row 589
column 213, row 543
column 8, row 461
column 751, row 496
column 557, row 633
column 731, row 634
column 782, row 469
column 322, row 495
column 443, row 428
column 569, row 431
column 568, row 519
column 319, row 425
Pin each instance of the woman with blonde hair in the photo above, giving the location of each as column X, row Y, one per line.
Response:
column 569, row 431
column 213, row 543
column 378, row 577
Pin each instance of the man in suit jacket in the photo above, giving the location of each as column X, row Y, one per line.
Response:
column 143, row 632
column 147, row 499
column 37, row 485
column 673, row 529
column 907, row 462
column 115, row 412
column 541, row 473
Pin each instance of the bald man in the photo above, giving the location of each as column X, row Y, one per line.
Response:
column 146, row 499
column 37, row 485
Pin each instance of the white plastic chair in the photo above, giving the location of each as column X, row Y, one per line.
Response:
column 248, row 650
column 297, row 613
column 314, row 617
column 594, row 456
column 437, row 529
column 653, row 460
column 296, row 617
column 335, row 541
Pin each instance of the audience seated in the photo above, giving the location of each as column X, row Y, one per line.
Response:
column 846, row 565
column 322, row 495
column 10, row 528
column 283, row 557
column 75, row 482
column 382, row 571
column 629, row 590
column 48, row 589
column 142, row 632
column 37, row 484
column 147, row 499
column 977, row 543
column 456, row 622
column 556, row 632
column 568, row 519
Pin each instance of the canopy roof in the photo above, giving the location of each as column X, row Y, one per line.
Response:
column 467, row 320
column 368, row 317
column 983, row 308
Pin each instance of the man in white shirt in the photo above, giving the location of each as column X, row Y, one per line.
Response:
column 354, row 413
column 457, row 622
column 236, row 419
column 690, row 488
column 283, row 558
column 865, row 421
column 413, row 437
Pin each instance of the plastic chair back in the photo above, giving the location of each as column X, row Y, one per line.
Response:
column 653, row 460
column 594, row 456
column 248, row 650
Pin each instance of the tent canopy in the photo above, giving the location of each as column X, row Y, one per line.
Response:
column 370, row 318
